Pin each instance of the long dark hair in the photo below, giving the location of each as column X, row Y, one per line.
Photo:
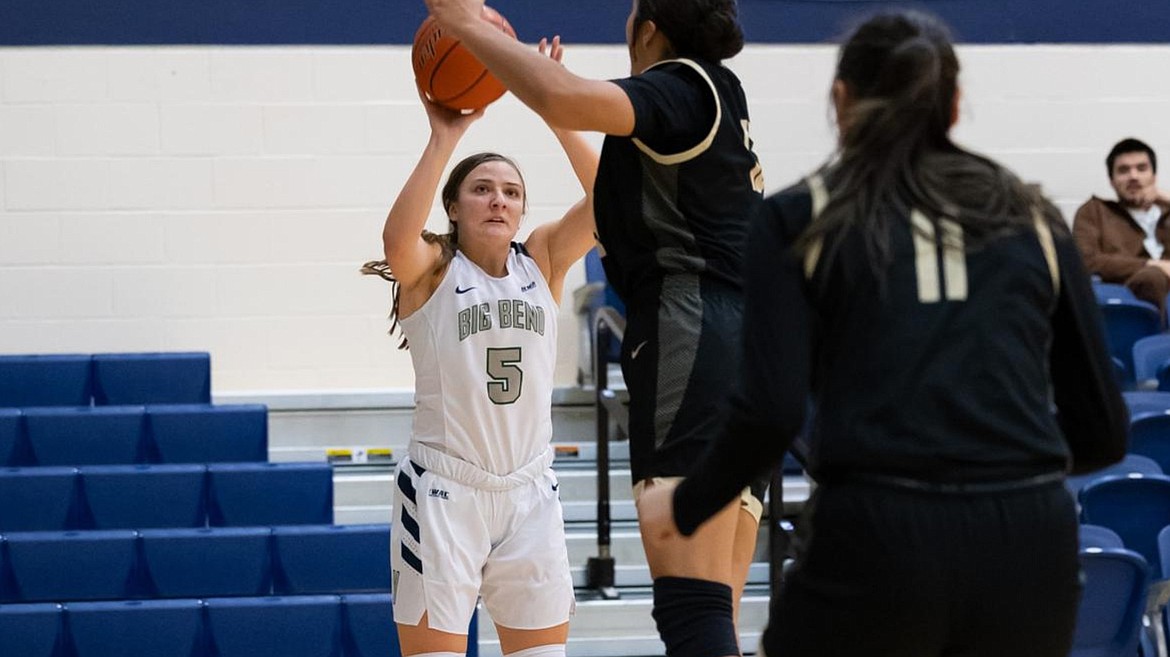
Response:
column 896, row 153
column 449, row 241
column 706, row 29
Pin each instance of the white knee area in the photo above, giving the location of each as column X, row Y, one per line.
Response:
column 439, row 654
column 551, row 650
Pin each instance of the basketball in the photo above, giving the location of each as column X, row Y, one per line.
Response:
column 447, row 73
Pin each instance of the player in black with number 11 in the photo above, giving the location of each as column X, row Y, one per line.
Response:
column 935, row 307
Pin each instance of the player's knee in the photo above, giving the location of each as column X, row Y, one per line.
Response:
column 550, row 650
column 694, row 617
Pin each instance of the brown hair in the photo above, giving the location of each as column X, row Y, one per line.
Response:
column 449, row 241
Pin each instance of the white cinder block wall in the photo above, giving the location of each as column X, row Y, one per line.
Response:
column 221, row 199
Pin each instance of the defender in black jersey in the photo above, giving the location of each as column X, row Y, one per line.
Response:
column 935, row 308
column 676, row 186
column 672, row 203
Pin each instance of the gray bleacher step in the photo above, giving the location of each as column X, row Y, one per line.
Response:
column 569, row 452
column 622, row 628
column 638, row 575
column 575, row 512
column 626, row 543
column 362, row 515
column 363, row 496
column 585, row 451
column 581, row 484
column 309, row 434
column 365, row 488
column 354, row 486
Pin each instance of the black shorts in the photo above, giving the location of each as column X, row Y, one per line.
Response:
column 890, row 572
column 680, row 360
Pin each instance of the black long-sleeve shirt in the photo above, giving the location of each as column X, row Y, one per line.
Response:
column 945, row 369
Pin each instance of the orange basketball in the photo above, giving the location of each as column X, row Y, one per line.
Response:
column 448, row 73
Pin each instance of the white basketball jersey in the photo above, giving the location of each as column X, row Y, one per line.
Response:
column 484, row 350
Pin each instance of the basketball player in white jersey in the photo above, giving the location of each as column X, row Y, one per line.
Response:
column 476, row 507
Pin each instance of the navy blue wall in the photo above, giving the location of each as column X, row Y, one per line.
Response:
column 140, row 22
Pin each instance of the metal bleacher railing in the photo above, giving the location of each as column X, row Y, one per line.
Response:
column 608, row 326
column 608, row 329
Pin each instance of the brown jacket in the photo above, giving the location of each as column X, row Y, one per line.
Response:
column 1111, row 242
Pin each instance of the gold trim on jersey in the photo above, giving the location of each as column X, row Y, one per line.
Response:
column 702, row 146
column 927, row 244
column 820, row 199
column 1044, row 232
column 954, row 259
column 931, row 274
column 925, row 258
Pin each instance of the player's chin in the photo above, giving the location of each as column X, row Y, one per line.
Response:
column 497, row 233
column 499, row 228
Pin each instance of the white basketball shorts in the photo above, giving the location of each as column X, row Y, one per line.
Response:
column 452, row 542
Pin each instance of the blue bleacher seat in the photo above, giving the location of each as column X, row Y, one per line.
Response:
column 7, row 585
column 32, row 630
column 1109, row 619
column 241, row 494
column 152, row 378
column 368, row 625
column 1096, row 536
column 45, row 380
column 1106, row 291
column 1137, row 507
column 1162, row 376
column 1130, row 464
column 143, row 496
column 1141, row 401
column 298, row 625
column 1149, row 436
column 1126, row 322
column 198, row 433
column 208, row 562
column 1149, row 353
column 74, row 565
column 86, row 436
column 136, row 628
column 595, row 273
column 11, row 432
column 587, row 300
column 1119, row 374
column 306, row 559
column 38, row 499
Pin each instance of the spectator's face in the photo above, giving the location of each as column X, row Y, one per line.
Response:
column 1133, row 179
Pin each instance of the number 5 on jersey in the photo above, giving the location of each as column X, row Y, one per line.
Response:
column 503, row 366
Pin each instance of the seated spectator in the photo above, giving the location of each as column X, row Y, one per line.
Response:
column 1125, row 241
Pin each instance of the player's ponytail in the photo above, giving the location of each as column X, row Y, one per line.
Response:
column 899, row 73
column 380, row 268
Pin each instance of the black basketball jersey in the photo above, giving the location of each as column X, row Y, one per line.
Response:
column 675, row 197
column 944, row 368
